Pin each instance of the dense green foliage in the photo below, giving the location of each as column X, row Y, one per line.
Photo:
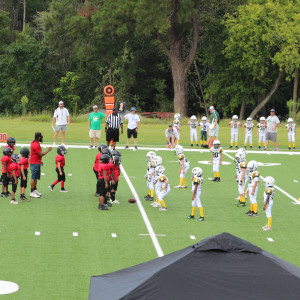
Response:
column 71, row 49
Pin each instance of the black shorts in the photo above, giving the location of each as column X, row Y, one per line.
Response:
column 5, row 179
column 132, row 132
column 14, row 186
column 61, row 177
column 101, row 187
column 112, row 134
column 23, row 183
column 114, row 186
column 96, row 173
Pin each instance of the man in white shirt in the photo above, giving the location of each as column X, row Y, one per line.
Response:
column 133, row 126
column 62, row 118
column 272, row 123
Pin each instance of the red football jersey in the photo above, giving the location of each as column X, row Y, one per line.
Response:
column 97, row 161
column 117, row 172
column 14, row 166
column 61, row 159
column 101, row 168
column 7, row 159
column 24, row 162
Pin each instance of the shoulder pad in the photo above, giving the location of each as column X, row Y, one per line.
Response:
column 256, row 174
column 243, row 165
column 180, row 156
column 221, row 150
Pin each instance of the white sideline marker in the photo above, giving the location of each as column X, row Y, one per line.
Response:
column 144, row 215
column 270, row 239
column 42, row 173
column 75, row 233
column 69, row 174
column 192, row 237
column 295, row 180
column 37, row 233
column 114, row 235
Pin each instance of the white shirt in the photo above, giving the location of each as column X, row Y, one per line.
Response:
column 61, row 114
column 132, row 120
column 271, row 122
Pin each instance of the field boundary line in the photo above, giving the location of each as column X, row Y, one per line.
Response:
column 144, row 215
column 276, row 186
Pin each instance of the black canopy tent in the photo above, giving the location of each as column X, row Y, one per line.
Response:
column 218, row 267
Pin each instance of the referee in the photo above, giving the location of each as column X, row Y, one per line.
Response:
column 113, row 122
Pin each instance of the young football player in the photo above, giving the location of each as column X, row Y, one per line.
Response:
column 60, row 163
column 193, row 130
column 24, row 163
column 291, row 129
column 116, row 173
column 103, row 180
column 216, row 159
column 204, row 125
column 11, row 142
column 268, row 201
column 15, row 174
column 237, row 167
column 6, row 161
column 252, row 189
column 176, row 125
column 184, row 167
column 261, row 132
column 234, row 125
column 156, row 162
column 162, row 187
column 150, row 175
column 110, row 175
column 96, row 163
column 197, row 182
column 248, row 127
column 241, row 177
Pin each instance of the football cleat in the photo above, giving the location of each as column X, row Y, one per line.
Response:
column 163, row 209
column 14, row 201
column 248, row 212
column 147, row 196
column 150, row 199
column 34, row 195
column 253, row 215
column 51, row 188
column 63, row 190
column 267, row 228
column 178, row 187
column 201, row 219
column 156, row 204
column 190, row 217
column 37, row 192
column 102, row 207
column 239, row 204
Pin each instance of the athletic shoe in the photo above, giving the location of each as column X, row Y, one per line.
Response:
column 230, row 147
column 63, row 190
column 236, row 147
column 91, row 146
column 37, row 192
column 24, row 199
column 102, row 207
column 253, row 215
column 197, row 145
column 215, row 179
column 218, row 179
column 8, row 194
column 152, row 203
column 34, row 195
column 250, row 147
column 149, row 199
column 156, row 204
column 264, row 148
column 14, row 201
column 245, row 147
column 97, row 195
column 178, row 187
column 267, row 228
column 239, row 204
column 50, row 188
column 184, row 187
column 3, row 195
column 109, row 204
column 259, row 147
column 276, row 149
column 54, row 144
column 135, row 147
column 248, row 212
column 190, row 217
column 192, row 145
column 126, row 147
column 237, row 198
column 200, row 219
column 63, row 144
column 294, row 148
column 163, row 209
column 289, row 148
column 264, row 226
column 147, row 196
column 115, row 202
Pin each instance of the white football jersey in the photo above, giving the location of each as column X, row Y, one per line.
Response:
column 261, row 128
column 248, row 127
column 176, row 123
column 205, row 125
column 181, row 157
column 235, row 126
column 193, row 124
column 253, row 176
column 216, row 152
column 161, row 181
column 269, row 191
column 291, row 127
column 197, row 183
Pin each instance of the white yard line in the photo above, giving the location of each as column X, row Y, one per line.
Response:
column 144, row 215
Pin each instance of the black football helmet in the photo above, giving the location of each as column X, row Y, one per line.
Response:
column 117, row 160
column 15, row 158
column 7, row 151
column 101, row 147
column 115, row 152
column 105, row 158
column 106, row 151
column 25, row 152
column 11, row 141
column 61, row 150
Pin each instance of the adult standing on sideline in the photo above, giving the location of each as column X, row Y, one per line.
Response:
column 35, row 161
column 171, row 134
column 112, row 125
column 271, row 124
column 62, row 118
column 133, row 126
column 214, row 124
column 95, row 125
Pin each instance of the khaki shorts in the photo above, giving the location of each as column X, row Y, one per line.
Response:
column 214, row 131
column 271, row 136
column 61, row 127
column 95, row 134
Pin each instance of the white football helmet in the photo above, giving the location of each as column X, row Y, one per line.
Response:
column 235, row 117
column 269, row 181
column 216, row 143
column 262, row 119
column 252, row 164
column 150, row 155
column 240, row 156
column 178, row 149
column 157, row 161
column 290, row 120
column 197, row 172
column 160, row 170
column 177, row 116
column 204, row 119
column 249, row 120
column 241, row 150
column 193, row 118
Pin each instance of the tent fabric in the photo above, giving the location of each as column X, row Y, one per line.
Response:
column 218, row 267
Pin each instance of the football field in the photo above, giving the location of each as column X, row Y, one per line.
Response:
column 52, row 246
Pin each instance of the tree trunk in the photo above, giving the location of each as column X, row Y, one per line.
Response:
column 24, row 14
column 2, row 4
column 15, row 14
column 242, row 111
column 295, row 94
column 269, row 96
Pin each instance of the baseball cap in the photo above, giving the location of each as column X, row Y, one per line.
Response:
column 61, row 102
column 211, row 107
column 95, row 106
column 272, row 110
column 133, row 108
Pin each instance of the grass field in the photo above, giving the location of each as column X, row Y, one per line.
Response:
column 58, row 265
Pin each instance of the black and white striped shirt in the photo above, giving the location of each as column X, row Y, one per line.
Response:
column 114, row 121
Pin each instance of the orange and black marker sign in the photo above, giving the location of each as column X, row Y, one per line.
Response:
column 109, row 90
column 3, row 137
column 109, row 99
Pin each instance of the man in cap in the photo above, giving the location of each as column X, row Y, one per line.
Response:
column 170, row 134
column 214, row 124
column 272, row 123
column 132, row 127
column 62, row 118
column 95, row 126
column 112, row 125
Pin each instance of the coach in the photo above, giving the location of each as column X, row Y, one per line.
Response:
column 62, row 118
column 113, row 122
column 95, row 126
column 272, row 123
column 35, row 161
column 214, row 124
column 171, row 134
column 133, row 126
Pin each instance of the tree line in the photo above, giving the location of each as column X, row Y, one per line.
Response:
column 163, row 55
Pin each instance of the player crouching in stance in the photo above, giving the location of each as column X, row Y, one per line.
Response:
column 15, row 174
column 261, row 132
column 234, row 125
column 291, row 129
column 60, row 163
column 248, row 127
column 253, row 187
column 216, row 159
column 241, row 176
column 24, row 163
column 193, row 130
column 150, row 175
column 115, row 173
column 196, row 189
column 162, row 187
column 268, row 201
column 184, row 167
